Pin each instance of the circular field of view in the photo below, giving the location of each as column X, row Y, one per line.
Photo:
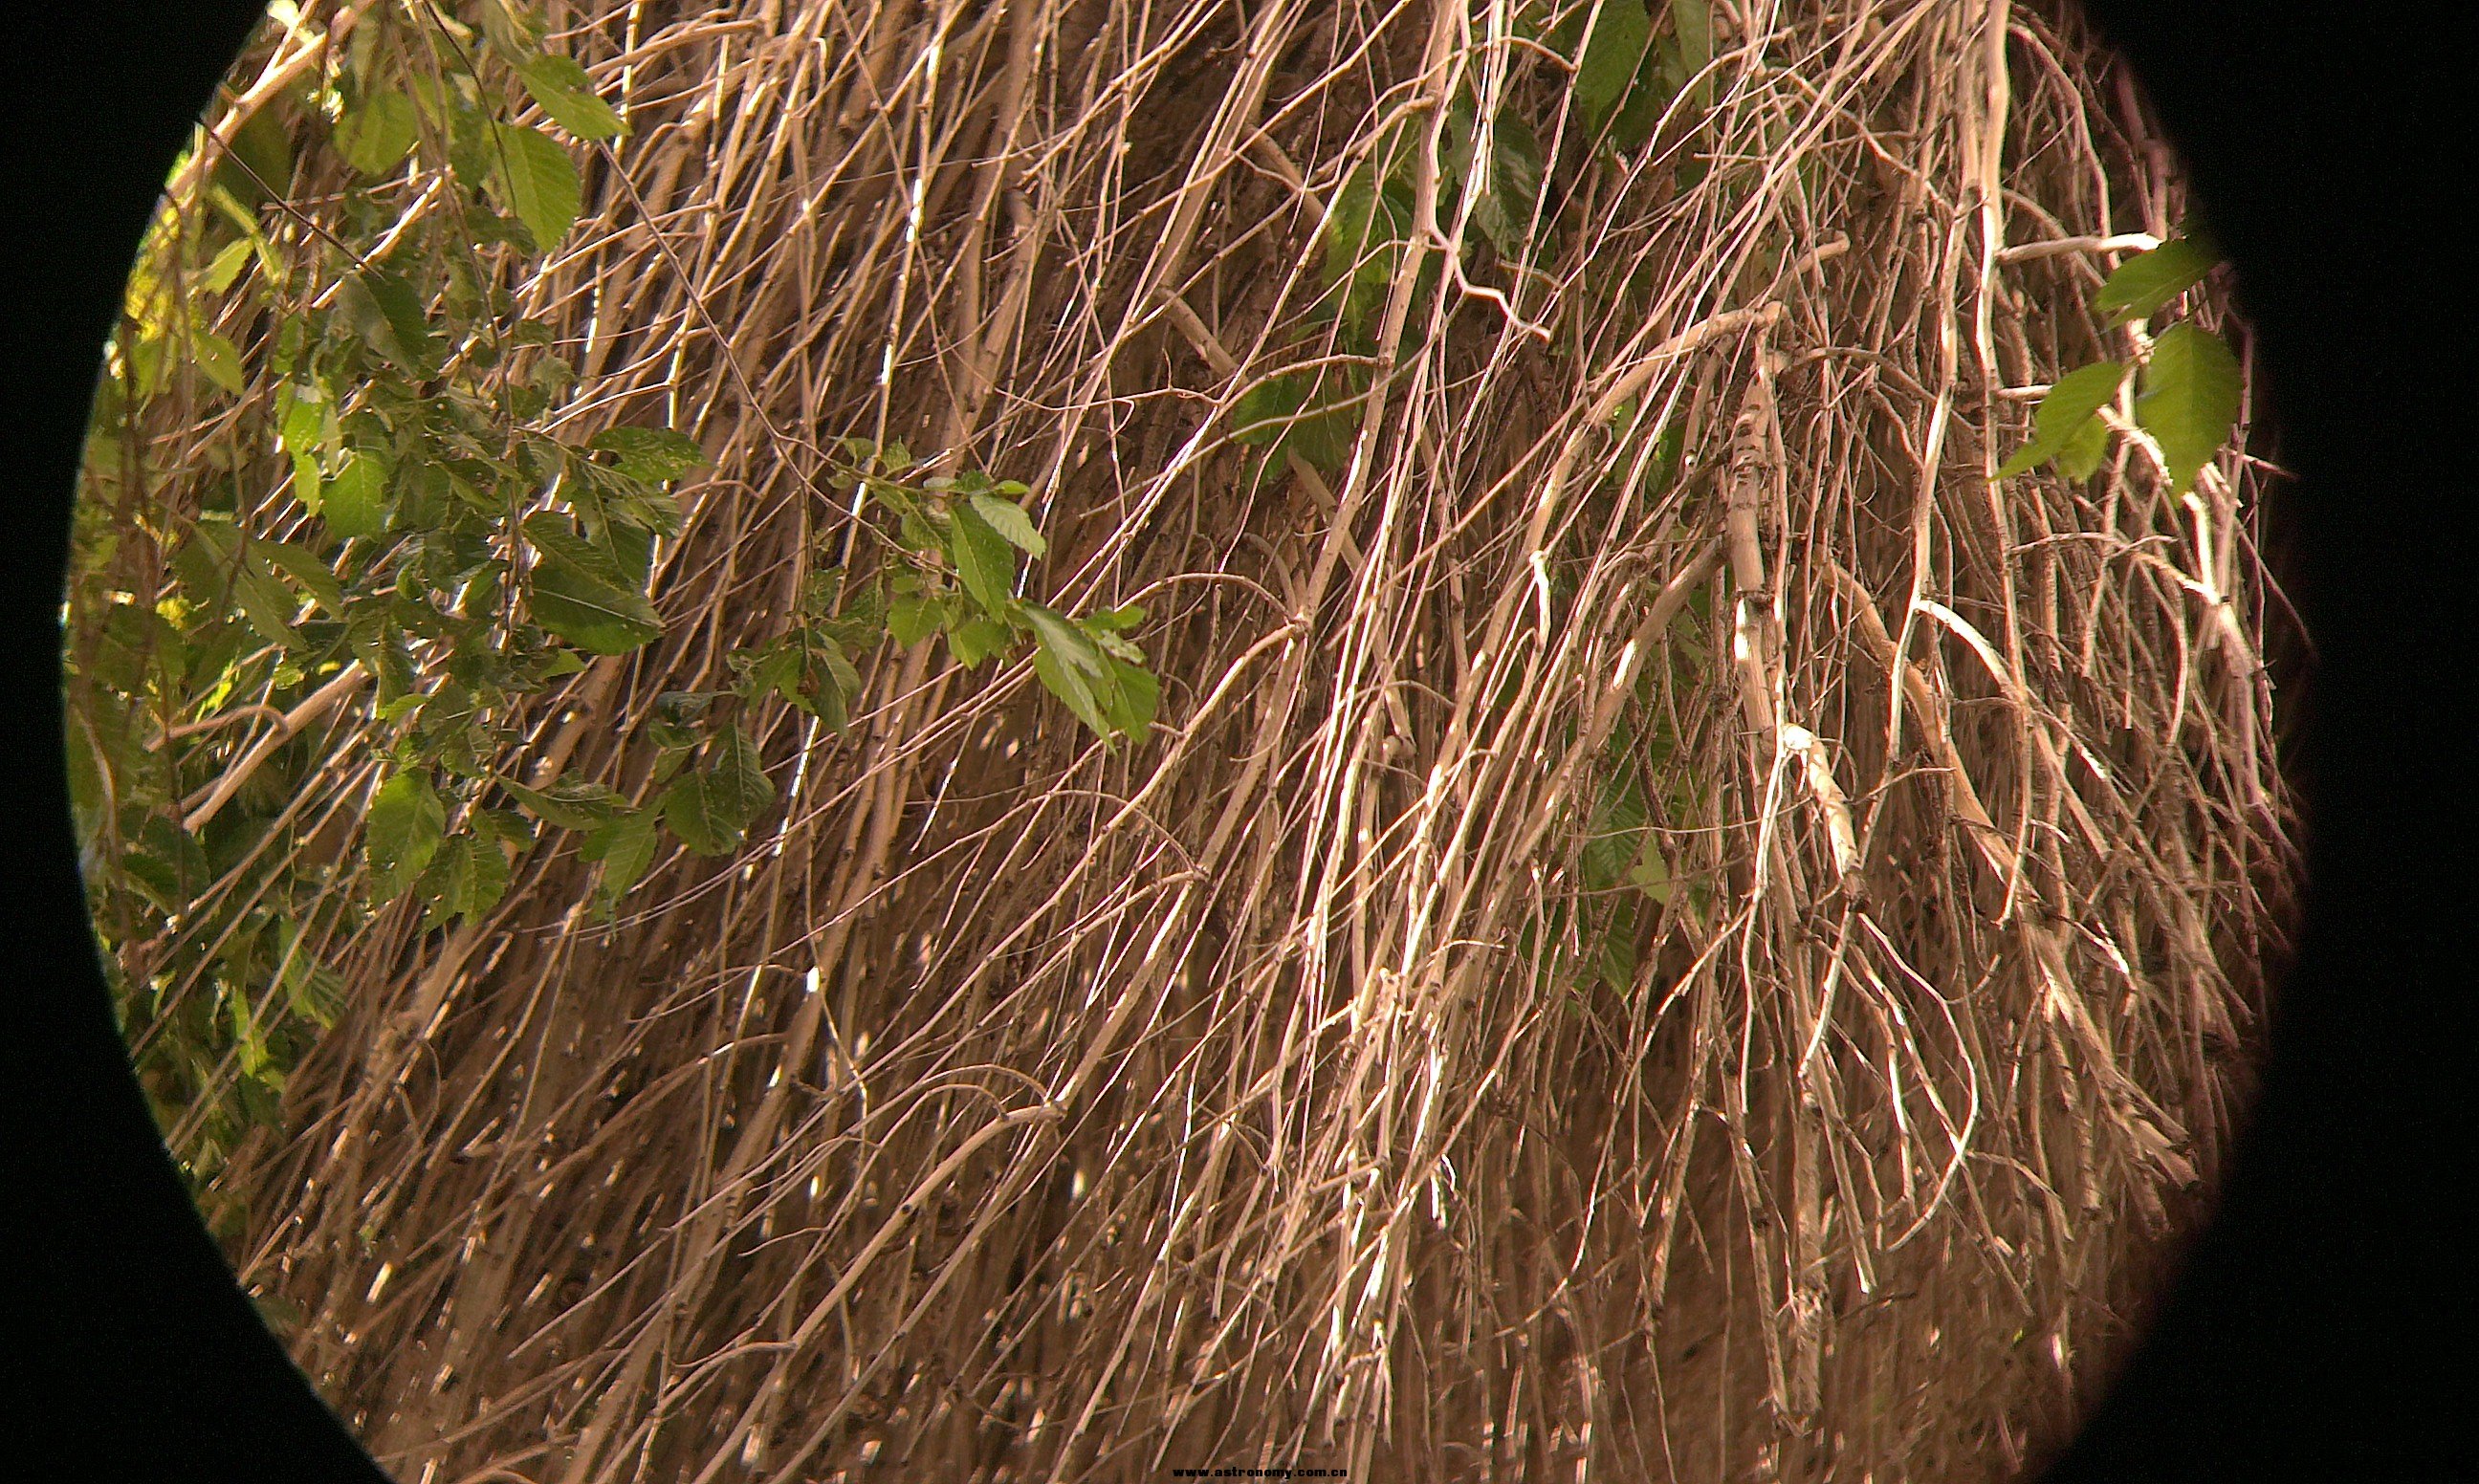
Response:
column 1068, row 739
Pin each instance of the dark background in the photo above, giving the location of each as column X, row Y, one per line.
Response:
column 2318, row 1328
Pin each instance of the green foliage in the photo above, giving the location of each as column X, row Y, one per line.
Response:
column 2149, row 280
column 2066, row 427
column 395, row 486
column 2190, row 399
column 2190, row 380
column 1622, row 70
column 1625, row 875
column 1628, row 70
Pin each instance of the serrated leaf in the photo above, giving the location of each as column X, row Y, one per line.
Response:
column 1130, row 697
column 1651, row 874
column 711, row 808
column 560, row 544
column 590, row 613
column 1692, row 22
column 1278, row 412
column 466, row 879
column 2065, row 414
column 1632, row 126
column 984, row 560
column 540, row 181
column 672, row 724
column 655, row 455
column 385, row 311
column 211, row 563
column 2189, row 400
column 2146, row 281
column 502, row 825
column 1070, row 685
column 312, row 990
column 742, row 791
column 217, row 360
column 911, row 618
column 1504, row 213
column 1611, row 56
column 1008, row 520
column 354, row 502
column 568, row 803
column 316, row 576
column 2081, row 452
column 1261, row 413
column 401, row 831
column 375, row 137
column 1614, row 833
column 625, row 844
column 567, row 95
column 1068, row 643
column 226, row 266
column 511, row 32
column 976, row 639
column 304, row 428
column 1113, row 643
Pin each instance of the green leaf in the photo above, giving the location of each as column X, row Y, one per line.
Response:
column 212, row 564
column 1693, row 21
column 466, row 879
column 976, row 639
column 1364, row 233
column 911, row 618
column 560, row 544
column 217, row 360
column 1130, row 697
column 1632, row 126
column 511, row 33
column 2081, row 452
column 355, row 500
column 984, row 559
column 2189, row 400
column 259, row 159
column 1611, row 56
column 1008, row 520
column 673, row 723
column 1259, row 414
column 1063, row 639
column 403, row 831
column 502, row 825
column 1651, row 874
column 1070, row 685
column 709, row 810
column 654, row 454
column 1614, row 836
column 2066, row 415
column 540, row 181
column 312, row 990
column 1277, row 412
column 1118, row 620
column 568, row 803
column 567, row 95
column 226, row 266
column 2146, row 281
column 741, row 790
column 304, row 429
column 1504, row 214
column 375, row 137
column 589, row 613
column 386, row 311
column 625, row 844
column 314, row 575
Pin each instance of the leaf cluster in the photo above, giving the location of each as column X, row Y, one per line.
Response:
column 2189, row 398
